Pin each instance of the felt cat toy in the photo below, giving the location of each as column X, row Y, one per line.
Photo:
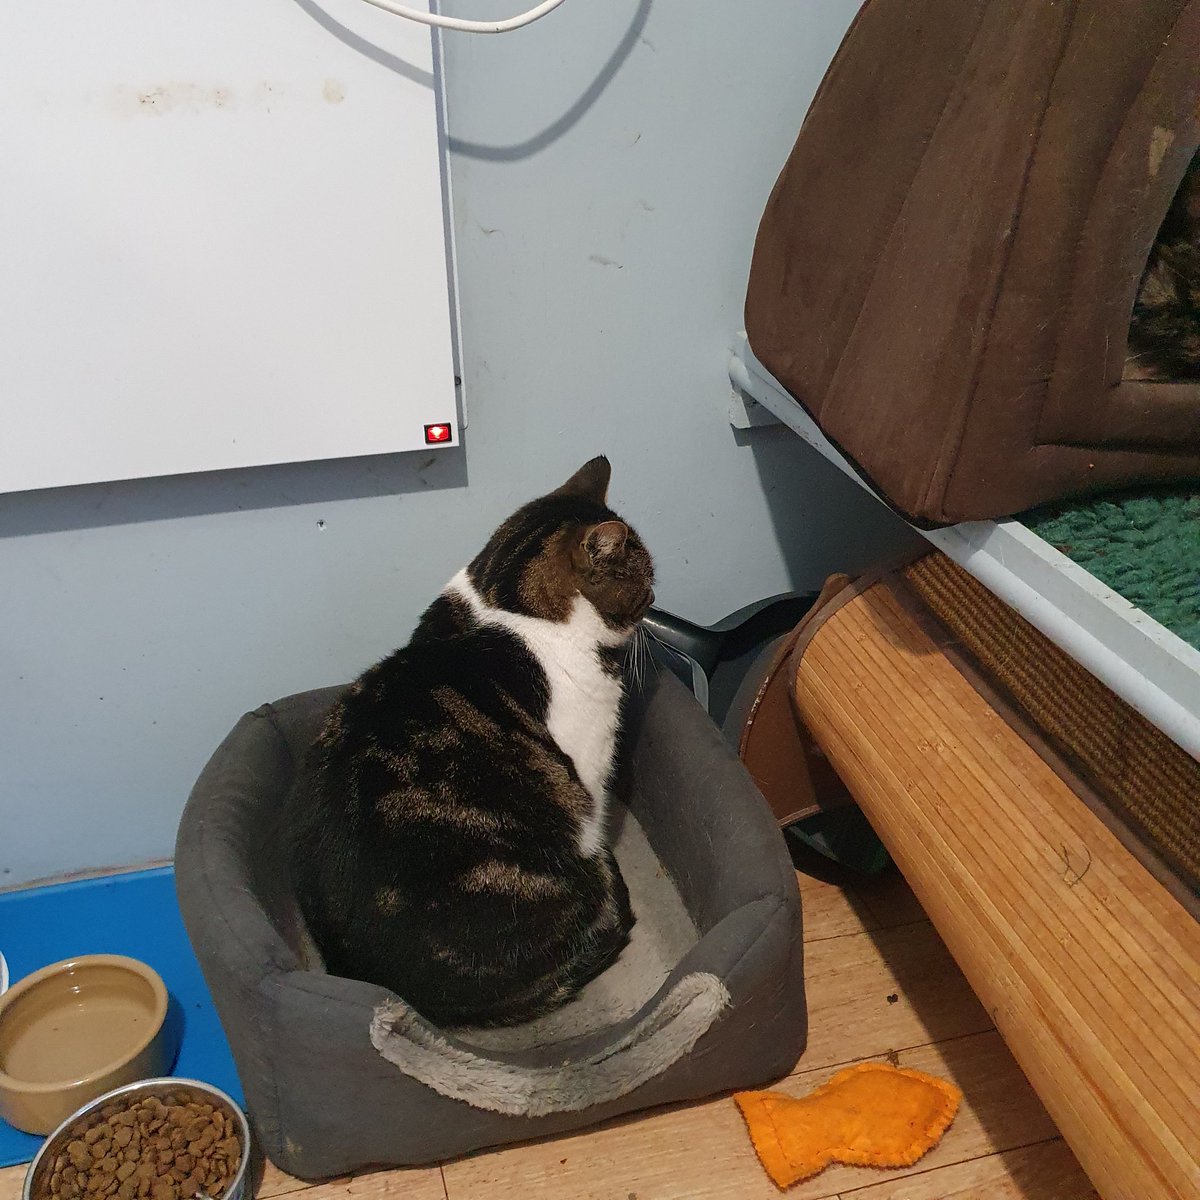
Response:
column 870, row 1115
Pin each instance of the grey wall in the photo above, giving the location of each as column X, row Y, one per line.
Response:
column 608, row 166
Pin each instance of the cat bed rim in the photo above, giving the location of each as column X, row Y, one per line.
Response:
column 667, row 1028
column 301, row 1038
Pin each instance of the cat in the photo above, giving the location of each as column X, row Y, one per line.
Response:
column 1164, row 330
column 447, row 830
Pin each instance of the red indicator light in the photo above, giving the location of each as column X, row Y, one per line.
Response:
column 436, row 434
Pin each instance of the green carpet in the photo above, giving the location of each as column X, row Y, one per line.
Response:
column 1144, row 545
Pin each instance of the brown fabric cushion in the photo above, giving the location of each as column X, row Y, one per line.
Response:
column 945, row 270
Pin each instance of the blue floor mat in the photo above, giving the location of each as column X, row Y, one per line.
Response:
column 134, row 914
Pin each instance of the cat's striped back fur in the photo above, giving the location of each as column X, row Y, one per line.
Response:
column 448, row 829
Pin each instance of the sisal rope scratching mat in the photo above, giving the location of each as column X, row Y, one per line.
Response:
column 871, row 1115
column 1147, row 782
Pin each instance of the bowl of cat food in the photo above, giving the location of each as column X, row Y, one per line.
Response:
column 75, row 1030
column 160, row 1139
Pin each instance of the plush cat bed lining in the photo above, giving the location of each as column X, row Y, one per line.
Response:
column 709, row 995
column 664, row 1035
column 663, row 934
column 547, row 1078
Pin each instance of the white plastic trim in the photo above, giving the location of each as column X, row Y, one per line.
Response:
column 462, row 25
column 1149, row 667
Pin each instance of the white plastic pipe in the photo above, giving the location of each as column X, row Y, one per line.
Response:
column 464, row 26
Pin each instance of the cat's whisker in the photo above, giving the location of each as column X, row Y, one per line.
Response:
column 636, row 657
column 666, row 645
column 644, row 653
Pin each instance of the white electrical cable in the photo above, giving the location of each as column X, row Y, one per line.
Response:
column 458, row 23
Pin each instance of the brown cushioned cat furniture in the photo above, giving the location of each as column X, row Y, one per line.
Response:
column 340, row 1074
column 945, row 270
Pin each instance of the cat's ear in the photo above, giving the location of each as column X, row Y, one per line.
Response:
column 591, row 480
column 605, row 541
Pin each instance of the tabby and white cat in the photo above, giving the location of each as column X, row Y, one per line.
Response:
column 447, row 831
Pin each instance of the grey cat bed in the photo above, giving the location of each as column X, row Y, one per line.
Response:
column 340, row 1074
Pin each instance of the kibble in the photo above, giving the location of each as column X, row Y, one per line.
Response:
column 171, row 1148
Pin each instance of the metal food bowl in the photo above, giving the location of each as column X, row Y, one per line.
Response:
column 37, row 1179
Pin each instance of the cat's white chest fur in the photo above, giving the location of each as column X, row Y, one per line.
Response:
column 585, row 700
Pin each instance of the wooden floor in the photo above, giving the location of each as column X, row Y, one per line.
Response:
column 880, row 985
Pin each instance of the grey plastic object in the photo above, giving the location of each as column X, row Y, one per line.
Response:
column 713, row 660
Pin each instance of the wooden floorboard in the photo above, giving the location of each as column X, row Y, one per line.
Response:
column 999, row 1111
column 832, row 911
column 1048, row 1171
column 691, row 1153
column 11, row 1181
column 702, row 1152
column 422, row 1183
column 882, row 901
column 889, row 901
column 276, row 1183
column 872, row 993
